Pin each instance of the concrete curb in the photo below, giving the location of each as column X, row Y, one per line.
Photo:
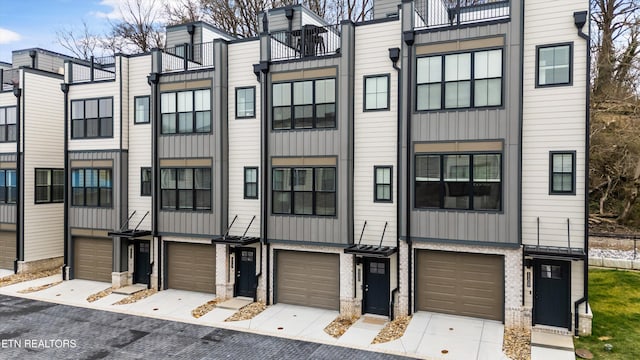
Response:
column 614, row 263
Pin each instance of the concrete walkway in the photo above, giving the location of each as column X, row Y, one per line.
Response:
column 547, row 346
column 429, row 335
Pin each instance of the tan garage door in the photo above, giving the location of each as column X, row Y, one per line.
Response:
column 308, row 279
column 7, row 249
column 191, row 267
column 93, row 259
column 460, row 284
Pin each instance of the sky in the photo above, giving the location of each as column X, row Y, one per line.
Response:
column 33, row 23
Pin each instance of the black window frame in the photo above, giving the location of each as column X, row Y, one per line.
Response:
column 314, row 105
column 193, row 112
column 99, row 188
column 247, row 183
column 4, row 128
column 364, row 95
column 143, row 181
column 472, row 80
column 194, row 190
column 147, row 116
column 441, row 183
column 6, row 190
column 573, row 154
column 570, row 69
column 253, row 110
column 376, row 183
column 84, row 120
column 50, row 187
column 314, row 190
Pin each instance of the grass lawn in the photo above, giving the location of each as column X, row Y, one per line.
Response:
column 614, row 296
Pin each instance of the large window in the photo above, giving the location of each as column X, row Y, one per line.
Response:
column 145, row 181
column 554, row 65
column 250, row 182
column 8, row 189
column 382, row 183
column 376, row 92
column 91, row 187
column 454, row 81
column 562, row 178
column 304, row 191
column 186, row 112
column 245, row 102
column 8, row 117
column 141, row 109
column 458, row 181
column 92, row 118
column 49, row 186
column 304, row 104
column 185, row 188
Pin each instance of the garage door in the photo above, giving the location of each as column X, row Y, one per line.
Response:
column 93, row 259
column 308, row 279
column 460, row 284
column 191, row 267
column 7, row 249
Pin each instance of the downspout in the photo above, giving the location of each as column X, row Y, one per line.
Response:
column 409, row 39
column 17, row 92
column 153, row 80
column 520, row 136
column 65, row 191
column 580, row 19
column 264, row 69
column 191, row 30
column 394, row 56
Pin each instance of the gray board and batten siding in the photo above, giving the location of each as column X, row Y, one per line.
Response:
column 8, row 211
column 336, row 142
column 500, row 123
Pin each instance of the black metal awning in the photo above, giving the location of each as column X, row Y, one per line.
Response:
column 554, row 252
column 235, row 240
column 130, row 234
column 371, row 250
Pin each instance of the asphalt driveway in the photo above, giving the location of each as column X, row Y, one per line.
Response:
column 32, row 329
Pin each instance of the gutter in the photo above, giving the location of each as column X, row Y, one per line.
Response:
column 65, row 90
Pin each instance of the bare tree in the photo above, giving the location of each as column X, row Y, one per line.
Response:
column 82, row 44
column 139, row 29
column 185, row 11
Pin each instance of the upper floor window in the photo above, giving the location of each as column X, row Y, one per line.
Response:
column 8, row 118
column 250, row 182
column 304, row 191
column 186, row 112
column 562, row 177
column 141, row 115
column 376, row 92
column 304, row 104
column 554, row 65
column 8, row 189
column 458, row 181
column 91, row 187
column 145, row 181
column 382, row 183
column 49, row 186
column 185, row 188
column 464, row 80
column 245, row 102
column 92, row 118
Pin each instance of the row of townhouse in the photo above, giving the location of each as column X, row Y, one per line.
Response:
column 431, row 159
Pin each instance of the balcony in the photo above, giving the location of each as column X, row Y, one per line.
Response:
column 309, row 41
column 94, row 69
column 454, row 13
column 187, row 57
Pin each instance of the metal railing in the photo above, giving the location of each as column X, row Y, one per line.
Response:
column 9, row 78
column 453, row 13
column 94, row 69
column 307, row 42
column 188, row 57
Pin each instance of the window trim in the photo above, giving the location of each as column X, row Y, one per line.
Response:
column 471, row 80
column 193, row 190
column 84, row 118
column 148, row 115
column 245, row 183
column 537, row 65
column 142, row 170
column 313, row 104
column 111, row 206
column 313, row 191
column 375, row 184
column 6, row 129
column 193, row 112
column 49, row 186
column 253, row 116
column 364, row 92
column 573, row 154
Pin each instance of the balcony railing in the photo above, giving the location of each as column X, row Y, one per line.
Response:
column 310, row 41
column 94, row 69
column 452, row 13
column 8, row 78
column 188, row 57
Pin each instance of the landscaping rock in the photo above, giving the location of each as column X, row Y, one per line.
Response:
column 18, row 278
column 247, row 312
column 393, row 330
column 38, row 288
column 135, row 297
column 204, row 308
column 340, row 325
column 99, row 295
column 517, row 343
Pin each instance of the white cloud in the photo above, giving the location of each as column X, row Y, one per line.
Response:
column 8, row 36
column 115, row 7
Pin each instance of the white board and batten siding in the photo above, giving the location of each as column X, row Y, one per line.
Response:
column 139, row 142
column 43, row 116
column 375, row 133
column 244, row 139
column 553, row 120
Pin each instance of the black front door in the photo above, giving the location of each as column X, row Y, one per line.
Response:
column 142, row 262
column 245, row 272
column 376, row 286
column 552, row 288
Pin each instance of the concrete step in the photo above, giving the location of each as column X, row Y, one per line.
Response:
column 235, row 303
column 130, row 290
column 552, row 341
